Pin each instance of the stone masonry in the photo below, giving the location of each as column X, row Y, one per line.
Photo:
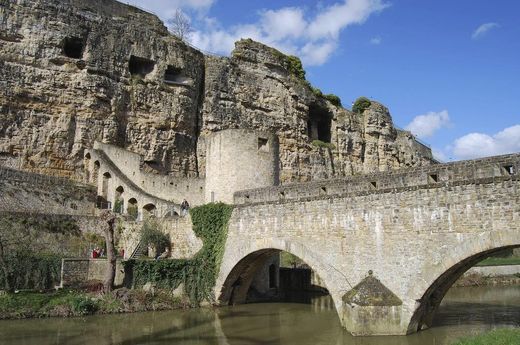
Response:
column 415, row 230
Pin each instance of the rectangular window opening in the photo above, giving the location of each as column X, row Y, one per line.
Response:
column 262, row 144
column 509, row 169
column 433, row 178
column 373, row 184
column 140, row 66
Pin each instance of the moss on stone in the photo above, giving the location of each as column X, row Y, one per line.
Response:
column 371, row 292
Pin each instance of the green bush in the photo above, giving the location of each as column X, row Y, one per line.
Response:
column 361, row 104
column 198, row 274
column 317, row 92
column 333, row 99
column 27, row 271
column 295, row 67
column 152, row 235
column 83, row 305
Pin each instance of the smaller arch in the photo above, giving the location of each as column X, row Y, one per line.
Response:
column 118, row 200
column 107, row 175
column 87, row 156
column 132, row 209
column 149, row 210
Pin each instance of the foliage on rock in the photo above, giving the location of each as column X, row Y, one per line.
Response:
column 152, row 235
column 198, row 274
column 332, row 98
column 361, row 104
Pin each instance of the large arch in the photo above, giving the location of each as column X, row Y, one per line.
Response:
column 243, row 263
column 439, row 285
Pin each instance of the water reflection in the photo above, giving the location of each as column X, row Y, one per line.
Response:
column 464, row 311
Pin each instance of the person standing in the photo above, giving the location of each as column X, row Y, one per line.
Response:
column 185, row 206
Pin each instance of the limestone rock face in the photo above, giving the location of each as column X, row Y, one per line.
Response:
column 74, row 71
column 254, row 89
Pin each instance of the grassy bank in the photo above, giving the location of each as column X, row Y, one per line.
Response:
column 66, row 303
column 505, row 336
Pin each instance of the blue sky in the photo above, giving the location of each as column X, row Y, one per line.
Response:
column 449, row 71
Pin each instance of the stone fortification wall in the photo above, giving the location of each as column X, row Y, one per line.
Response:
column 170, row 188
column 73, row 72
column 77, row 271
column 34, row 193
column 414, row 236
column 239, row 159
column 433, row 176
column 184, row 243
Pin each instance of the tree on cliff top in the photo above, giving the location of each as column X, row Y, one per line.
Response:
column 180, row 25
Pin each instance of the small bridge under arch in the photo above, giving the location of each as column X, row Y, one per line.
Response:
column 413, row 231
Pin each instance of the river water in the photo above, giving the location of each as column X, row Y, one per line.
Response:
column 464, row 311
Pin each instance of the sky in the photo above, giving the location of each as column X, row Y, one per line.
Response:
column 449, row 71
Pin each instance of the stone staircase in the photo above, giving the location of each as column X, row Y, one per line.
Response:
column 139, row 251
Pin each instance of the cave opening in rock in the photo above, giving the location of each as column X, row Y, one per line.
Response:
column 173, row 75
column 319, row 123
column 73, row 47
column 140, row 66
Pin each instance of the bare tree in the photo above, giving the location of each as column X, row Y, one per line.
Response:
column 180, row 25
column 109, row 218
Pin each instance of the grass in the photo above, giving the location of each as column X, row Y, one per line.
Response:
column 505, row 336
column 66, row 303
column 493, row 261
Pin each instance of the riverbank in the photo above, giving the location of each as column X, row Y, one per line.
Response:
column 67, row 303
column 504, row 336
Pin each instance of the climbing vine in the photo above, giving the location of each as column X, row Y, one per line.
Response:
column 198, row 274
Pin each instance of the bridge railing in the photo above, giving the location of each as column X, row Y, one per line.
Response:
column 491, row 169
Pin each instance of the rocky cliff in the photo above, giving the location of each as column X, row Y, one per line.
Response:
column 74, row 71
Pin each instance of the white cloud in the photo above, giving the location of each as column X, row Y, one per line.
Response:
column 376, row 40
column 483, row 29
column 426, row 125
column 317, row 53
column 284, row 23
column 333, row 19
column 476, row 145
column 311, row 35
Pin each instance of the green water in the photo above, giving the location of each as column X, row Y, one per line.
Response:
column 465, row 311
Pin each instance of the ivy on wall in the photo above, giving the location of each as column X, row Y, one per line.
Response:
column 198, row 274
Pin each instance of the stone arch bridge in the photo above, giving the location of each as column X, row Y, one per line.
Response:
column 387, row 246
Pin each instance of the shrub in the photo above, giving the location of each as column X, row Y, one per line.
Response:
column 333, row 99
column 361, row 104
column 295, row 67
column 317, row 92
column 83, row 305
column 152, row 235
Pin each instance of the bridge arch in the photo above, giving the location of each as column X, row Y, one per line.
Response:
column 242, row 265
column 457, row 262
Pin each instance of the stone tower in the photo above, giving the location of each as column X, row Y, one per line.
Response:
column 239, row 159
